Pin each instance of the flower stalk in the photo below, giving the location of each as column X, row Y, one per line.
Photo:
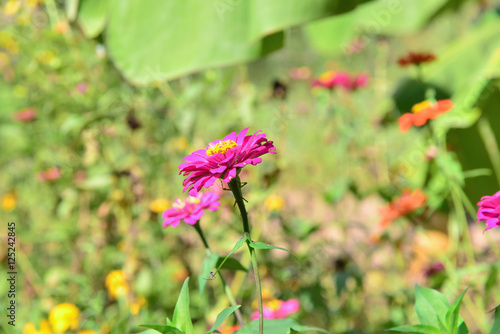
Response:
column 227, row 290
column 235, row 187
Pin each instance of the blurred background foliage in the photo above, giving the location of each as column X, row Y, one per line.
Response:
column 120, row 92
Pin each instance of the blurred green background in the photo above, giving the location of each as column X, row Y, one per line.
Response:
column 115, row 93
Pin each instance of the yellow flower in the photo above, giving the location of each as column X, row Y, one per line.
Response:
column 11, row 7
column 159, row 205
column 274, row 203
column 8, row 202
column 33, row 3
column 137, row 305
column 117, row 284
column 182, row 143
column 45, row 327
column 63, row 317
column 29, row 328
column 12, row 47
column 86, row 331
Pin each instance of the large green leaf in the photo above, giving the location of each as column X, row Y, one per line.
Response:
column 92, row 16
column 431, row 306
column 152, row 40
column 333, row 35
column 467, row 61
column 182, row 316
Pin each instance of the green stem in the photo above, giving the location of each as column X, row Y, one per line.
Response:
column 235, row 186
column 227, row 290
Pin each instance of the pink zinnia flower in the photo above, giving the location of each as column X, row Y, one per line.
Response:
column 223, row 159
column 191, row 209
column 349, row 82
column 277, row 309
column 489, row 210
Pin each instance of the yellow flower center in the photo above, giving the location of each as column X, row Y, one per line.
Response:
column 327, row 76
column 190, row 200
column 221, row 147
column 421, row 106
column 274, row 304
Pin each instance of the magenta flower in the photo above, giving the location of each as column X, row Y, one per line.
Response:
column 348, row 81
column 191, row 209
column 223, row 159
column 277, row 309
column 489, row 210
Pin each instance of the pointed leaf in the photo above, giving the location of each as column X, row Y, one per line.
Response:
column 496, row 324
column 263, row 245
column 164, row 329
column 231, row 264
column 208, row 264
column 182, row 317
column 452, row 315
column 462, row 329
column 430, row 306
column 419, row 329
column 237, row 246
column 223, row 316
column 278, row 326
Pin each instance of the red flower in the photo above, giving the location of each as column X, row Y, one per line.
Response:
column 422, row 112
column 415, row 58
column 25, row 115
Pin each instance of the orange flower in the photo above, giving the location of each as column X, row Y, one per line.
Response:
column 399, row 207
column 422, row 112
column 229, row 330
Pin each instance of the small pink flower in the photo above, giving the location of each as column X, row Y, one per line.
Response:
column 191, row 209
column 489, row 210
column 277, row 309
column 223, row 159
column 82, row 88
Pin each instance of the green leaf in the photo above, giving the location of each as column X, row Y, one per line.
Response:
column 217, row 33
column 182, row 317
column 452, row 315
column 223, row 316
column 93, row 16
column 462, row 329
column 208, row 264
column 333, row 35
column 496, row 324
column 237, row 246
column 231, row 264
column 263, row 245
column 163, row 329
column 430, row 306
column 419, row 329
